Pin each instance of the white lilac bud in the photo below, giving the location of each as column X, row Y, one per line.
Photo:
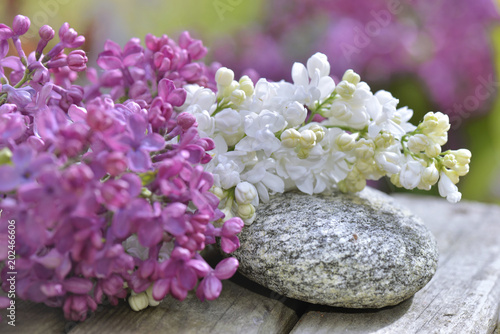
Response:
column 307, row 139
column 340, row 112
column 451, row 174
column 237, row 97
column 245, row 193
column 345, row 89
column 462, row 155
column 346, row 142
column 448, row 189
column 354, row 182
column 365, row 149
column 351, row 77
column 246, row 211
column 410, row 175
column 418, row 143
column 217, row 191
column 151, row 300
column 226, row 91
column 290, row 138
column 319, row 131
column 433, row 150
column 246, row 85
column 224, row 76
column 384, row 140
column 430, row 175
column 138, row 301
column 303, row 153
column 318, row 61
column 449, row 161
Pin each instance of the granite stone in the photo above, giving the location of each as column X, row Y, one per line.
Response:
column 346, row 250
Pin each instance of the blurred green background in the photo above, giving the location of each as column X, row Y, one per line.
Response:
column 211, row 20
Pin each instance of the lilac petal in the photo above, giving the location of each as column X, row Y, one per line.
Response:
column 175, row 226
column 191, row 71
column 113, row 47
column 212, row 287
column 51, row 260
column 109, row 62
column 9, row 178
column 64, row 268
column 44, row 94
column 121, row 224
column 187, row 278
column 4, row 302
column 22, row 156
column 177, row 291
column 165, row 87
column 200, row 266
column 229, row 244
column 40, row 162
column 196, row 153
column 177, row 97
column 226, row 268
column 4, row 49
column 139, row 161
column 77, row 114
column 137, row 123
column 150, row 233
column 147, row 268
column 232, row 226
column 160, row 288
column 198, row 199
column 13, row 63
column 77, row 285
column 169, row 168
column 133, row 59
column 153, row 142
column 4, row 243
column 52, row 289
column 134, row 184
column 181, row 254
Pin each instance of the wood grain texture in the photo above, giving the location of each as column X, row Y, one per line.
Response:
column 35, row 318
column 463, row 296
column 238, row 310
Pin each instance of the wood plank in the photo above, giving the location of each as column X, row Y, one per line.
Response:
column 35, row 318
column 238, row 310
column 463, row 296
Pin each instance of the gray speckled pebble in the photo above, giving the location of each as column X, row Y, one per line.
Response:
column 355, row 251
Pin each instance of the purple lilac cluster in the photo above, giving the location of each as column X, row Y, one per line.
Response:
column 379, row 39
column 85, row 169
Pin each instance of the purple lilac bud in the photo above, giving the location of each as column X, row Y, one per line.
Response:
column 20, row 25
column 46, row 34
column 77, row 60
column 5, row 32
column 69, row 37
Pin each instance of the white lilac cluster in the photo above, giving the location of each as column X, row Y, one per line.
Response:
column 315, row 135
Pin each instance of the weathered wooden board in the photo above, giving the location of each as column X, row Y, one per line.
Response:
column 463, row 296
column 243, row 307
column 238, row 310
column 34, row 318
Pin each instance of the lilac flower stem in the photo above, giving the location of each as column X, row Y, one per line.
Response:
column 20, row 51
column 26, row 77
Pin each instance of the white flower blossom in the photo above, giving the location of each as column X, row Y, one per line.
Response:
column 268, row 138
column 448, row 189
